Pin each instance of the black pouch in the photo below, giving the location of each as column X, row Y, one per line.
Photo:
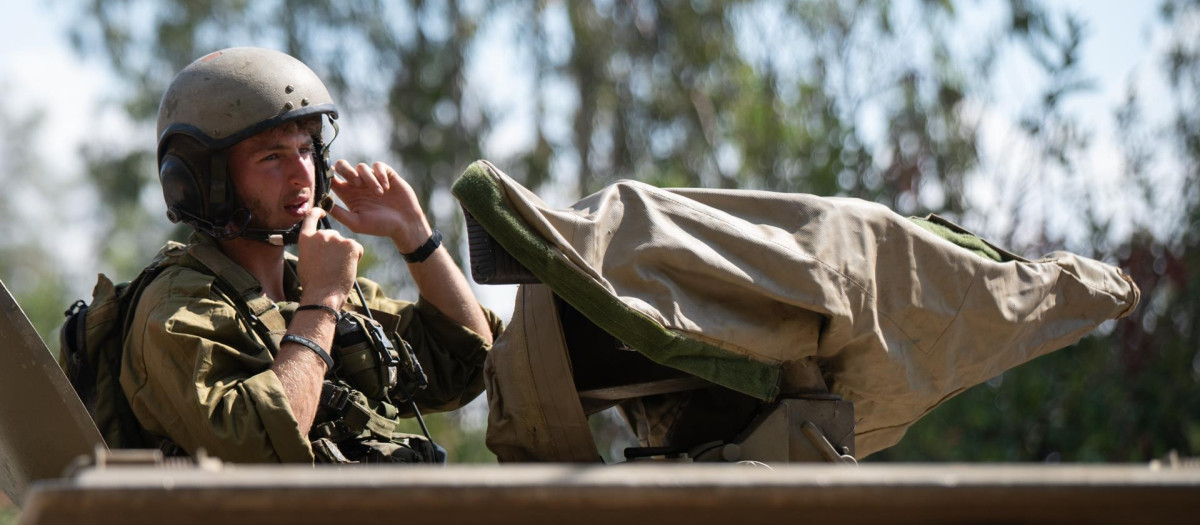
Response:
column 402, row 448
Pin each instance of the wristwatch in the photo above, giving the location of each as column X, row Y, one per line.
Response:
column 425, row 250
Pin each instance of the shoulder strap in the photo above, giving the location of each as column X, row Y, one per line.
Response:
column 350, row 414
column 169, row 256
column 262, row 312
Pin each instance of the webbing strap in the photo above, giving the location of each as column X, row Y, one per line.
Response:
column 261, row 308
column 218, row 181
column 327, row 451
column 356, row 416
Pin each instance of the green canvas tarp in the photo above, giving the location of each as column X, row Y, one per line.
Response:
column 756, row 291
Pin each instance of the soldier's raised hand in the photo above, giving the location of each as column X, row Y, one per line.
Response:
column 379, row 202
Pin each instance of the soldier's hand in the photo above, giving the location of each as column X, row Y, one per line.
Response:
column 328, row 263
column 379, row 202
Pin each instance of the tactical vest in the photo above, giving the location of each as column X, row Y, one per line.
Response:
column 350, row 427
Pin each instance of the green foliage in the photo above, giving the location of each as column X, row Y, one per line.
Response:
column 9, row 513
column 27, row 199
column 461, row 433
column 1127, row 393
column 404, row 57
column 869, row 99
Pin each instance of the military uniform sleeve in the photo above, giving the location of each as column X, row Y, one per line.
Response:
column 194, row 372
column 451, row 354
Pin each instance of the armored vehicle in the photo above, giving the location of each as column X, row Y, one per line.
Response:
column 757, row 423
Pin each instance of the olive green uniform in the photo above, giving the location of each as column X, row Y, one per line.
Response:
column 196, row 369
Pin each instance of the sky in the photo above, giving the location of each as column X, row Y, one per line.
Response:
column 1121, row 51
column 38, row 71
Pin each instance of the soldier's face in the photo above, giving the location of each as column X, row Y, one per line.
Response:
column 273, row 174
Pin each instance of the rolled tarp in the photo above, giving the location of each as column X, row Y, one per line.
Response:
column 750, row 289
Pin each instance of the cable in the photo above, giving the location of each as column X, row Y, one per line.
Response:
column 362, row 299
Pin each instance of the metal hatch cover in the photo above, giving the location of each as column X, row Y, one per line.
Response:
column 43, row 424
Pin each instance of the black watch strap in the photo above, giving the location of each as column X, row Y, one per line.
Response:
column 426, row 249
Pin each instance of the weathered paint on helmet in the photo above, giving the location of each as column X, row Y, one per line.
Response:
column 220, row 99
column 232, row 94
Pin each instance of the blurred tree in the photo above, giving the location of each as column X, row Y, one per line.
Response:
column 27, row 199
column 460, row 432
column 9, row 513
column 762, row 94
column 1130, row 393
column 879, row 100
column 406, row 57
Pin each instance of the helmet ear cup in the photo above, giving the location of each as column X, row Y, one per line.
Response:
column 183, row 181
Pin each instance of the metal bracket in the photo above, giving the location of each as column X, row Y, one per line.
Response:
column 102, row 459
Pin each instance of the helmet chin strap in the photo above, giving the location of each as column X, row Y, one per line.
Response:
column 289, row 236
column 273, row 237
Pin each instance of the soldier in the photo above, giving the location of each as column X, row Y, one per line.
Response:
column 228, row 347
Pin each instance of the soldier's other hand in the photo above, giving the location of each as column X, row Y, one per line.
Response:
column 379, row 202
column 328, row 263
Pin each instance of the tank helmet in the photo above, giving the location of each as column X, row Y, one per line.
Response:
column 217, row 101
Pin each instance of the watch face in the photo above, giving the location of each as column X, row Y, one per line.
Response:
column 43, row 424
